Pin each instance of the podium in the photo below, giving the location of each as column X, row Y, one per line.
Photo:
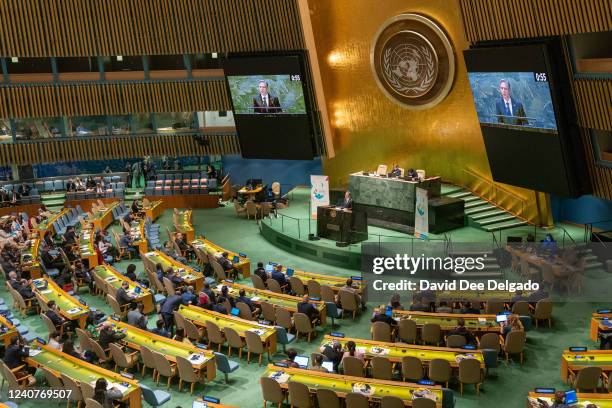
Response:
column 342, row 225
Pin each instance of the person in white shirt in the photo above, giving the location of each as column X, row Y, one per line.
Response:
column 54, row 341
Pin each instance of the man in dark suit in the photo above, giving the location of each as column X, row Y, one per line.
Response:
column 265, row 102
column 347, row 203
column 278, row 275
column 396, row 172
column 122, row 296
column 53, row 314
column 308, row 309
column 508, row 110
column 261, row 272
column 380, row 315
column 15, row 356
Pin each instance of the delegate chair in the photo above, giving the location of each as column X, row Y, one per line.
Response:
column 274, row 286
column 258, row 283
column 245, row 311
column 73, row 386
column 381, row 331
column 101, row 355
column 155, row 398
column 87, row 390
column 455, row 341
column 353, row 366
column 148, row 361
column 214, row 335
column 382, row 368
column 225, row 365
column 412, row 369
column 268, row 311
column 302, row 325
column 52, row 380
column 272, row 391
column 543, row 311
column 283, row 338
column 489, row 341
column 314, row 288
column 327, row 398
column 470, row 373
column 356, row 400
column 255, row 345
column 348, row 300
column 440, row 371
column 587, row 379
column 521, row 308
column 430, row 334
column 186, row 373
column 423, row 403
column 407, row 331
column 389, row 401
column 233, row 341
column 283, row 319
column 92, row 403
column 192, row 332
column 299, row 395
column 514, row 344
column 297, row 286
column 494, row 307
column 123, row 360
column 164, row 368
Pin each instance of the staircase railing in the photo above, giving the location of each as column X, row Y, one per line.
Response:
column 492, row 192
column 588, row 230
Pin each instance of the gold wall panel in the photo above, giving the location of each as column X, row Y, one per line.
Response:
column 33, row 28
column 593, row 98
column 23, row 101
column 370, row 129
column 504, row 19
column 51, row 151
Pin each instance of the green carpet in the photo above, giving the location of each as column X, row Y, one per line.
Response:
column 506, row 386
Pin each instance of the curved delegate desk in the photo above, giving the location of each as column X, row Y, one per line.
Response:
column 191, row 277
column 81, row 371
column 277, row 299
column 574, row 361
column 600, row 322
column 396, row 351
column 477, row 323
column 199, row 317
column 344, row 384
column 46, row 290
column 104, row 216
column 584, row 399
column 7, row 331
column 30, row 260
column 201, row 359
column 112, row 279
column 243, row 265
column 335, row 282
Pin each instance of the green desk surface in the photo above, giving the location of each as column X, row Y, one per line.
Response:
column 216, row 250
column 80, row 371
column 600, row 400
column 327, row 280
column 185, row 271
column 107, row 209
column 486, row 321
column 285, row 301
column 589, row 359
column 46, row 224
column 482, row 296
column 86, row 241
column 201, row 316
column 64, row 301
column 396, row 353
column 114, row 278
column 344, row 384
column 159, row 344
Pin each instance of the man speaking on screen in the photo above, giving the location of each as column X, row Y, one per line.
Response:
column 265, row 102
column 509, row 110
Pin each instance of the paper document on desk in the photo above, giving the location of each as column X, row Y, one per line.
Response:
column 255, row 298
column 280, row 377
column 46, row 292
column 34, row 352
column 259, row 332
column 196, row 358
column 74, row 310
column 482, row 320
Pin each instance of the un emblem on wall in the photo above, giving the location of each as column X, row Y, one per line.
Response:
column 413, row 61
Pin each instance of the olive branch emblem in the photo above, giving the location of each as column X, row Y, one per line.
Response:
column 425, row 55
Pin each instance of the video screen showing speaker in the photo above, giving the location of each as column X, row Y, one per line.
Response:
column 524, row 116
column 519, row 100
column 271, row 110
